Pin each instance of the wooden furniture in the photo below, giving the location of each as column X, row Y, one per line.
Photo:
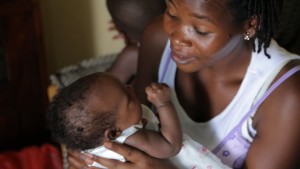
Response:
column 23, row 77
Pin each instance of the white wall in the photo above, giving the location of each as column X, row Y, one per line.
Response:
column 76, row 30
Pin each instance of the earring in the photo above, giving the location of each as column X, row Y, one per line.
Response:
column 247, row 36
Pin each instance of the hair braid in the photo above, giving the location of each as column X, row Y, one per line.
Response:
column 267, row 13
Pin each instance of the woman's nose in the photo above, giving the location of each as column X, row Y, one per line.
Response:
column 180, row 38
column 180, row 44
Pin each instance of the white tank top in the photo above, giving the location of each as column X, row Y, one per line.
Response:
column 259, row 75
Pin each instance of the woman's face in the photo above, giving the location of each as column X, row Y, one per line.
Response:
column 202, row 33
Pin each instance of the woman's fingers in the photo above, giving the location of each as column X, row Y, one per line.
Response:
column 135, row 159
column 132, row 155
column 74, row 161
column 112, row 164
column 129, row 153
column 77, row 160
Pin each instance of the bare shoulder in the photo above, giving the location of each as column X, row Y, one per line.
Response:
column 286, row 97
column 277, row 122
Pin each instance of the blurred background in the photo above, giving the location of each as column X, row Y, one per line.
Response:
column 38, row 38
column 76, row 30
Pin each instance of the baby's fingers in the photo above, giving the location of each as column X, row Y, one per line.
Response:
column 149, row 90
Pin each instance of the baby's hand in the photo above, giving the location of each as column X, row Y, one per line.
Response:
column 158, row 94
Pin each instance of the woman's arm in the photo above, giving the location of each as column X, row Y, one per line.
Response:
column 277, row 144
column 135, row 159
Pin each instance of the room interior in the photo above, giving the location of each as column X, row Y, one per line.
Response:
column 39, row 54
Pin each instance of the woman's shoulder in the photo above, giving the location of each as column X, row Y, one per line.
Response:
column 277, row 120
column 282, row 105
column 283, row 101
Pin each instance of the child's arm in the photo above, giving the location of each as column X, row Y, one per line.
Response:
column 168, row 141
column 120, row 68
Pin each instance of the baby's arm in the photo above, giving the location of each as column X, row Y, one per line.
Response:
column 168, row 141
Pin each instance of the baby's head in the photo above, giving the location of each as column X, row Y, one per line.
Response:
column 93, row 109
column 131, row 16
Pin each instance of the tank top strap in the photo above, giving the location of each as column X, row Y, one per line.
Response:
column 274, row 86
column 233, row 148
column 165, row 62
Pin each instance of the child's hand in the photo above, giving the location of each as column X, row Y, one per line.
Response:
column 119, row 34
column 158, row 94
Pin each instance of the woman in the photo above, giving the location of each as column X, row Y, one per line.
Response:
column 221, row 60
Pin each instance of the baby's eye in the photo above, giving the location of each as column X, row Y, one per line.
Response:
column 202, row 33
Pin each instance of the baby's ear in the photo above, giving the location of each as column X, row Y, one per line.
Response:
column 112, row 133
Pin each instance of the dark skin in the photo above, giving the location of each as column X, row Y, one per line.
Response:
column 128, row 56
column 153, row 44
column 220, row 59
column 120, row 68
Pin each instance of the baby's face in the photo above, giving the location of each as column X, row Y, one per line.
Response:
column 114, row 96
column 129, row 108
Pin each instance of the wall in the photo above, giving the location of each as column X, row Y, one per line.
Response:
column 76, row 30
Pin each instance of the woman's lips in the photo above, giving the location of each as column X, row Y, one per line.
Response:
column 181, row 59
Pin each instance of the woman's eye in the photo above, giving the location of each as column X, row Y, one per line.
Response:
column 200, row 32
column 171, row 16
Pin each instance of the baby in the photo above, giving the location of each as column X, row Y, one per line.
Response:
column 98, row 108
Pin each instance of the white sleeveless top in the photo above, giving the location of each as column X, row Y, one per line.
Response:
column 259, row 75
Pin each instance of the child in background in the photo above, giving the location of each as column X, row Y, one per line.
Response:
column 98, row 108
column 130, row 18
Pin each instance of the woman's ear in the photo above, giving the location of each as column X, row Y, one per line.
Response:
column 112, row 133
column 250, row 28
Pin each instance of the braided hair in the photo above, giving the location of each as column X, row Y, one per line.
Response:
column 267, row 13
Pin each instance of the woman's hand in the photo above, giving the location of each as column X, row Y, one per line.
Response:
column 135, row 159
column 77, row 160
